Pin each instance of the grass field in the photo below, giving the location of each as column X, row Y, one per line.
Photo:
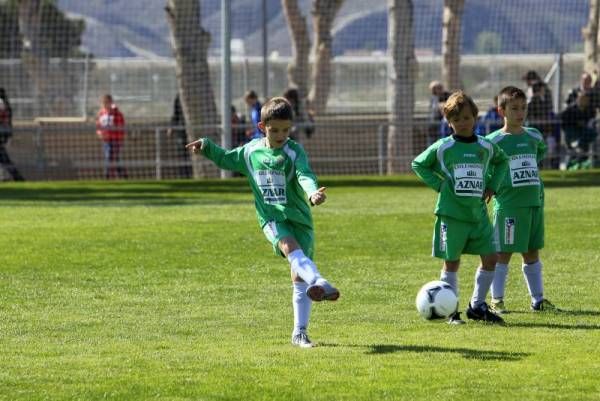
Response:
column 168, row 290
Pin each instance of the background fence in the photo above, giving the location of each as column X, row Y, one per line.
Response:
column 125, row 50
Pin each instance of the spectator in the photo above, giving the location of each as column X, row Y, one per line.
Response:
column 251, row 99
column 238, row 133
column 541, row 117
column 303, row 119
column 531, row 77
column 110, row 128
column 579, row 125
column 5, row 135
column 490, row 121
column 178, row 132
column 585, row 86
column 436, row 126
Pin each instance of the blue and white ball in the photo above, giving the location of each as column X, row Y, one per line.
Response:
column 436, row 300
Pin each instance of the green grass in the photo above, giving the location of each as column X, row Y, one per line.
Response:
column 168, row 290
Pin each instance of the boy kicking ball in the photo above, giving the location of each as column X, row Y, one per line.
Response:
column 281, row 180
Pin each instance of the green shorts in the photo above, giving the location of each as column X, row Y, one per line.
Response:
column 304, row 235
column 519, row 230
column 452, row 238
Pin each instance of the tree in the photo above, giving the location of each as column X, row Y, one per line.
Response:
column 590, row 38
column 323, row 13
column 44, row 32
column 190, row 43
column 298, row 70
column 451, row 26
column 402, row 83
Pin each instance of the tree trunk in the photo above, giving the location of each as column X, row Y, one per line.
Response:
column 190, row 45
column 590, row 38
column 34, row 56
column 452, row 21
column 324, row 12
column 299, row 69
column 402, row 84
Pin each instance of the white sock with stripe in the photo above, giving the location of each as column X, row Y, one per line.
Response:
column 302, row 306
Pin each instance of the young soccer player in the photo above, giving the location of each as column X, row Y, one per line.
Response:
column 458, row 167
column 281, row 180
column 519, row 201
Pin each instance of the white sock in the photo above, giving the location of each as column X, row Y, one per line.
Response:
column 303, row 266
column 450, row 278
column 499, row 283
column 302, row 305
column 533, row 277
column 483, row 282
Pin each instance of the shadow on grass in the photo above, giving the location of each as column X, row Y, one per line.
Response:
column 468, row 353
column 560, row 326
column 558, row 312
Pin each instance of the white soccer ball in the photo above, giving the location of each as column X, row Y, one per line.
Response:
column 436, row 300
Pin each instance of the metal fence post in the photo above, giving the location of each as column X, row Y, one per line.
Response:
column 157, row 160
column 380, row 149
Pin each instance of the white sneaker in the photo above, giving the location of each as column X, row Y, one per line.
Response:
column 301, row 340
column 322, row 290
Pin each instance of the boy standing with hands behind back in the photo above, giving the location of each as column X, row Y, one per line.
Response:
column 458, row 168
column 281, row 181
column 519, row 201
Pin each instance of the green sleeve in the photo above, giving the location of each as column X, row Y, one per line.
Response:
column 498, row 168
column 541, row 151
column 306, row 178
column 424, row 167
column 225, row 159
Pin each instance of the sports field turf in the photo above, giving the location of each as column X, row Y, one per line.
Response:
column 168, row 290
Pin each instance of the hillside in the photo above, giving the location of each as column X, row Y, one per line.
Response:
column 128, row 28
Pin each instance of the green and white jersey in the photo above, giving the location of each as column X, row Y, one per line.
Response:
column 460, row 170
column 281, row 179
column 522, row 187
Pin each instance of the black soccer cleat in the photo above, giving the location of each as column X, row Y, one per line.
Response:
column 484, row 314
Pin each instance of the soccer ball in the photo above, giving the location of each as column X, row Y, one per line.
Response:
column 436, row 300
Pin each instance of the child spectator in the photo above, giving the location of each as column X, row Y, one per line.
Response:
column 110, row 128
column 254, row 106
column 491, row 120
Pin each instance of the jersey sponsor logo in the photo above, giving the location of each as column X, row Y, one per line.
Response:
column 272, row 185
column 509, row 231
column 469, row 155
column 522, row 145
column 273, row 162
column 523, row 170
column 468, row 179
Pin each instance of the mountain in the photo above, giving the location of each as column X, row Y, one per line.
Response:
column 138, row 28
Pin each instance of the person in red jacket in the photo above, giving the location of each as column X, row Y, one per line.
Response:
column 110, row 128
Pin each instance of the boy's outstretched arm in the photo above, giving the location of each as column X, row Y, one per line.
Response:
column 225, row 159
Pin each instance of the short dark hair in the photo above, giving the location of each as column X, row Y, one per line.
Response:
column 278, row 108
column 250, row 95
column 531, row 75
column 456, row 104
column 509, row 93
